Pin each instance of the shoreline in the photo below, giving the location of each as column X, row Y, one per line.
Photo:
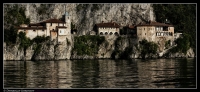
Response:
column 105, row 59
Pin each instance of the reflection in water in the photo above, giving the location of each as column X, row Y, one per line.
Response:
column 136, row 73
column 41, row 74
column 152, row 71
column 64, row 74
column 14, row 76
column 107, row 74
column 85, row 74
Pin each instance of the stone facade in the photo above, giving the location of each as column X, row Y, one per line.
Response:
column 154, row 31
column 57, row 29
column 110, row 28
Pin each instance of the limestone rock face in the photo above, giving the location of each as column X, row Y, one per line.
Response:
column 84, row 16
column 13, row 52
column 55, row 51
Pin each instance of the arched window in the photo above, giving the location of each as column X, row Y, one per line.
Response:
column 116, row 33
column 101, row 33
column 111, row 33
column 106, row 33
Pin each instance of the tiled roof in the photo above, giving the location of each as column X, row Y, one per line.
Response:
column 53, row 21
column 61, row 27
column 31, row 27
column 110, row 24
column 153, row 23
column 130, row 26
column 36, row 24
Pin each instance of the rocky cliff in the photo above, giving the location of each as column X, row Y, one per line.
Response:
column 84, row 16
column 114, row 47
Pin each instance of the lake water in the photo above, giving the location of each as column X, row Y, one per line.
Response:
column 136, row 73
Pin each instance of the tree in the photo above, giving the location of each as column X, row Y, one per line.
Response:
column 182, row 16
column 147, row 48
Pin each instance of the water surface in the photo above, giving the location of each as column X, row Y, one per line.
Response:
column 136, row 73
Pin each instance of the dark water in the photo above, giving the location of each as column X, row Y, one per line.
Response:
column 137, row 73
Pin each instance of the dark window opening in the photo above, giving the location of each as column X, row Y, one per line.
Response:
column 106, row 33
column 116, row 33
column 101, row 33
column 165, row 28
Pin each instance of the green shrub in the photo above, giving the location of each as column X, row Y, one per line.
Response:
column 87, row 44
column 14, row 16
column 147, row 48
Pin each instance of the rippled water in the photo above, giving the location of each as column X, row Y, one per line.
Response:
column 136, row 73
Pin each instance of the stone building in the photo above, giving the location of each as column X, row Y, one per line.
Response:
column 155, row 31
column 57, row 29
column 110, row 28
column 129, row 30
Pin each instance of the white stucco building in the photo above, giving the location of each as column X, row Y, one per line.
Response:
column 154, row 31
column 110, row 28
column 57, row 29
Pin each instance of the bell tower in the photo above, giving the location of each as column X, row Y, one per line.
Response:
column 67, row 20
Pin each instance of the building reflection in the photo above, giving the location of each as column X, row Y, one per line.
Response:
column 14, row 74
column 41, row 74
column 85, row 74
column 126, row 74
column 154, row 73
column 64, row 74
column 107, row 69
column 49, row 74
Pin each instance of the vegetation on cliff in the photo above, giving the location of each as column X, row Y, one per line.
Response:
column 122, row 53
column 147, row 48
column 87, row 44
column 183, row 17
column 25, row 42
column 14, row 15
column 183, row 44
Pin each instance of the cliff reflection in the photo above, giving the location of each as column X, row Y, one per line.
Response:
column 14, row 76
column 42, row 74
column 48, row 74
column 136, row 73
column 85, row 73
column 64, row 74
column 107, row 76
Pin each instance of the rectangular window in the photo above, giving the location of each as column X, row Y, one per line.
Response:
column 34, row 30
column 51, row 24
column 144, row 28
column 42, row 29
column 60, row 31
